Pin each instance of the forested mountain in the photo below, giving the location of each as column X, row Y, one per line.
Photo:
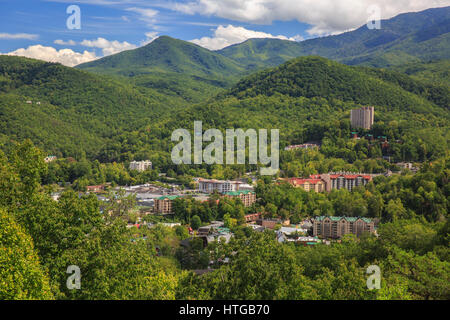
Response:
column 309, row 99
column 172, row 66
column 437, row 72
column 261, row 53
column 169, row 83
column 125, row 107
column 186, row 71
column 72, row 111
column 409, row 37
column 310, row 89
column 318, row 77
column 166, row 54
column 84, row 113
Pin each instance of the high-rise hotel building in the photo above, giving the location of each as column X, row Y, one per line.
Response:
column 362, row 118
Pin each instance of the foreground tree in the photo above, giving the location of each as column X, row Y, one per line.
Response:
column 21, row 274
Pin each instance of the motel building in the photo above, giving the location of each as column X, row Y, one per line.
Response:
column 211, row 185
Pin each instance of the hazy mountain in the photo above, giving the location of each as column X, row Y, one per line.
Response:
column 408, row 37
column 187, row 71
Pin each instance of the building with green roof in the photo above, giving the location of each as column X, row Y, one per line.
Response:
column 164, row 204
column 247, row 197
column 335, row 227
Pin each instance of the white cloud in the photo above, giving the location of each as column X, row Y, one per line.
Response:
column 151, row 36
column 298, row 38
column 14, row 36
column 226, row 36
column 146, row 15
column 66, row 57
column 149, row 13
column 65, row 43
column 325, row 16
column 108, row 47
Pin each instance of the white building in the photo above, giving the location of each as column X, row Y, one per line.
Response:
column 140, row 165
column 209, row 186
column 289, row 230
column 302, row 146
column 245, row 187
column 405, row 165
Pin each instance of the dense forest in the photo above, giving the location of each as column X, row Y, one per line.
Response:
column 94, row 124
column 40, row 237
column 98, row 117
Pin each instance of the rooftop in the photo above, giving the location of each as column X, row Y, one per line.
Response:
column 237, row 193
column 350, row 219
column 167, row 197
column 303, row 181
column 218, row 181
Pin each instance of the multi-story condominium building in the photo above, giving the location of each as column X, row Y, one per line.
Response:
column 336, row 227
column 349, row 181
column 362, row 118
column 316, row 184
column 343, row 180
column 164, row 204
column 247, row 197
column 140, row 165
column 302, row 146
column 209, row 186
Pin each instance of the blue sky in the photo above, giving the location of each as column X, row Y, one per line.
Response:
column 38, row 28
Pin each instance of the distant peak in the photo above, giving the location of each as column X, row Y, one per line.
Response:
column 164, row 37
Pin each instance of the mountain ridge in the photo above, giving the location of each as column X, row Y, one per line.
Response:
column 360, row 46
column 193, row 72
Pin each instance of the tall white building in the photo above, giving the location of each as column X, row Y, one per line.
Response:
column 140, row 165
column 362, row 118
column 209, row 186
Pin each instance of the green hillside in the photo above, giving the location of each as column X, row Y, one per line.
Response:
column 310, row 98
column 72, row 111
column 261, row 53
column 318, row 77
column 432, row 72
column 305, row 98
column 172, row 66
